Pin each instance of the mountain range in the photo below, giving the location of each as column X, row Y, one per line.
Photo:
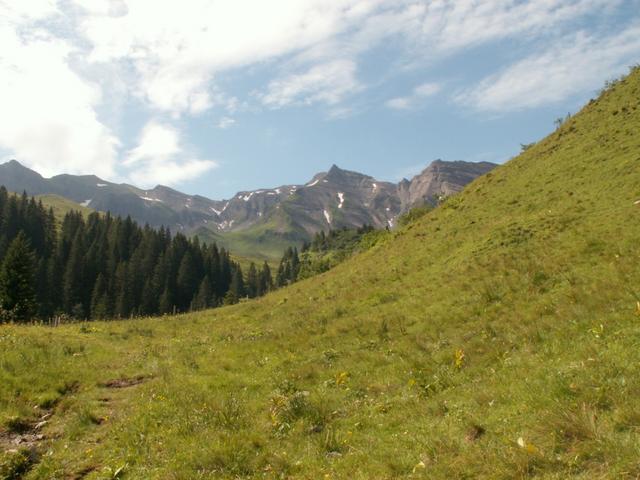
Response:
column 263, row 222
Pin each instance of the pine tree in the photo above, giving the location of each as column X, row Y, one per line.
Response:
column 236, row 289
column 72, row 282
column 17, row 279
column 295, row 265
column 280, row 275
column 148, row 301
column 204, row 298
column 266, row 282
column 165, row 303
column 99, row 299
column 187, row 281
column 253, row 285
column 123, row 305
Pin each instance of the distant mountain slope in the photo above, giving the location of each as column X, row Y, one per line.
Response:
column 260, row 221
column 61, row 206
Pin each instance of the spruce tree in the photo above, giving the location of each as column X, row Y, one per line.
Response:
column 123, row 305
column 295, row 265
column 266, row 282
column 280, row 275
column 253, row 285
column 148, row 301
column 204, row 298
column 187, row 281
column 17, row 279
column 99, row 299
column 236, row 289
column 165, row 303
column 73, row 282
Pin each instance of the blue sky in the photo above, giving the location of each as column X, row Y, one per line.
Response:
column 218, row 96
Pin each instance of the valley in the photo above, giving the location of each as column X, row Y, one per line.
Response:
column 492, row 337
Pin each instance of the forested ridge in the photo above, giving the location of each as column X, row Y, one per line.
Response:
column 101, row 266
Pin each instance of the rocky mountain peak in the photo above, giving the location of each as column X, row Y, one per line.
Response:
column 339, row 176
column 331, row 200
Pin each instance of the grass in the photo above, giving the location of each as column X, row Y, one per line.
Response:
column 257, row 243
column 61, row 206
column 496, row 337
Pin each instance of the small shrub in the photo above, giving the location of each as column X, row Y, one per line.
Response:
column 414, row 215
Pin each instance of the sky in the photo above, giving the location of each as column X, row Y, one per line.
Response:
column 213, row 97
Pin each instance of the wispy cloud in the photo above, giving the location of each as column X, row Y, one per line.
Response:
column 416, row 98
column 176, row 50
column 226, row 122
column 574, row 64
column 169, row 61
column 327, row 83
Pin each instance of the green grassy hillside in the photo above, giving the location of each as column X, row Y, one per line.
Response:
column 264, row 241
column 496, row 337
column 61, row 206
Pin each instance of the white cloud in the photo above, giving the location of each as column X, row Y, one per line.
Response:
column 418, row 95
column 177, row 50
column 327, row 83
column 400, row 103
column 173, row 56
column 452, row 25
column 226, row 122
column 48, row 116
column 158, row 158
column 427, row 89
column 574, row 64
column 27, row 10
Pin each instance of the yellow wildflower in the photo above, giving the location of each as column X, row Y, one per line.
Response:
column 459, row 358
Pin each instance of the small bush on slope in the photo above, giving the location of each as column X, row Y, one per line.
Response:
column 497, row 337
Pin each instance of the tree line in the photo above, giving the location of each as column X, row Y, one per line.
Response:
column 323, row 252
column 101, row 266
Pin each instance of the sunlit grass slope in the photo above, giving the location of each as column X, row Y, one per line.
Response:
column 61, row 206
column 497, row 337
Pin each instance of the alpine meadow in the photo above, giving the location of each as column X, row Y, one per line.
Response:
column 495, row 336
column 320, row 240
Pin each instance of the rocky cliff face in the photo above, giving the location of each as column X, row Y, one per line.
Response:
column 333, row 199
column 440, row 179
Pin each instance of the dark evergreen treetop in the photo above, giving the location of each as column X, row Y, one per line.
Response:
column 107, row 267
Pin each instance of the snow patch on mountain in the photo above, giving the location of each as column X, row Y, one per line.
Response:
column 149, row 199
